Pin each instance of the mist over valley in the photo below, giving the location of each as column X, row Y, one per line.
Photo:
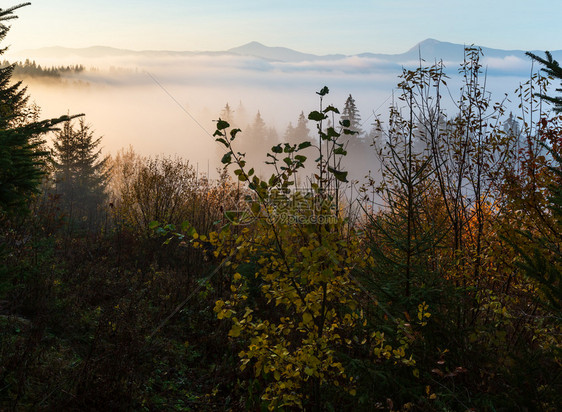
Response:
column 165, row 103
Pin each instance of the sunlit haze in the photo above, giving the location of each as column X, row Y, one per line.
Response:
column 165, row 102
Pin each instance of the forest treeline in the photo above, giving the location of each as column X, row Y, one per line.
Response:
column 259, row 137
column 137, row 283
column 29, row 68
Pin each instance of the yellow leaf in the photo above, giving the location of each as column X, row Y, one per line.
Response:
column 235, row 331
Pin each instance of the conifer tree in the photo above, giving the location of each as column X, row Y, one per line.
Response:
column 257, row 137
column 258, row 127
column 302, row 132
column 351, row 113
column 80, row 172
column 227, row 114
column 21, row 160
column 271, row 136
column 289, row 133
column 552, row 68
column 544, row 262
column 299, row 133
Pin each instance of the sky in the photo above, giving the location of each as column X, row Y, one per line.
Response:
column 311, row 26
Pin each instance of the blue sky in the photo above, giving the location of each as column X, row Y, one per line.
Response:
column 320, row 27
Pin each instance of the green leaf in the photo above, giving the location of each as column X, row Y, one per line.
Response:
column 277, row 149
column 339, row 175
column 324, row 91
column 304, row 145
column 227, row 158
column 331, row 109
column 233, row 133
column 316, row 116
column 332, row 132
column 154, row 224
column 221, row 125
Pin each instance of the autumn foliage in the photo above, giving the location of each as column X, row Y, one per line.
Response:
column 280, row 293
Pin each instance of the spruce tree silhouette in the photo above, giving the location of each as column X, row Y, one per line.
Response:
column 21, row 159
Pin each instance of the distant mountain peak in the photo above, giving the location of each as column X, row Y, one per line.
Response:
column 257, row 49
column 433, row 44
column 254, row 44
column 429, row 40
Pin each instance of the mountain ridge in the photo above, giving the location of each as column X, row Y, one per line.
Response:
column 427, row 49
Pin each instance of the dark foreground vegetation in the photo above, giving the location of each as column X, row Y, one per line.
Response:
column 133, row 283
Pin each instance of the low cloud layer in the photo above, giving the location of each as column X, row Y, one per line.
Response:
column 151, row 102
